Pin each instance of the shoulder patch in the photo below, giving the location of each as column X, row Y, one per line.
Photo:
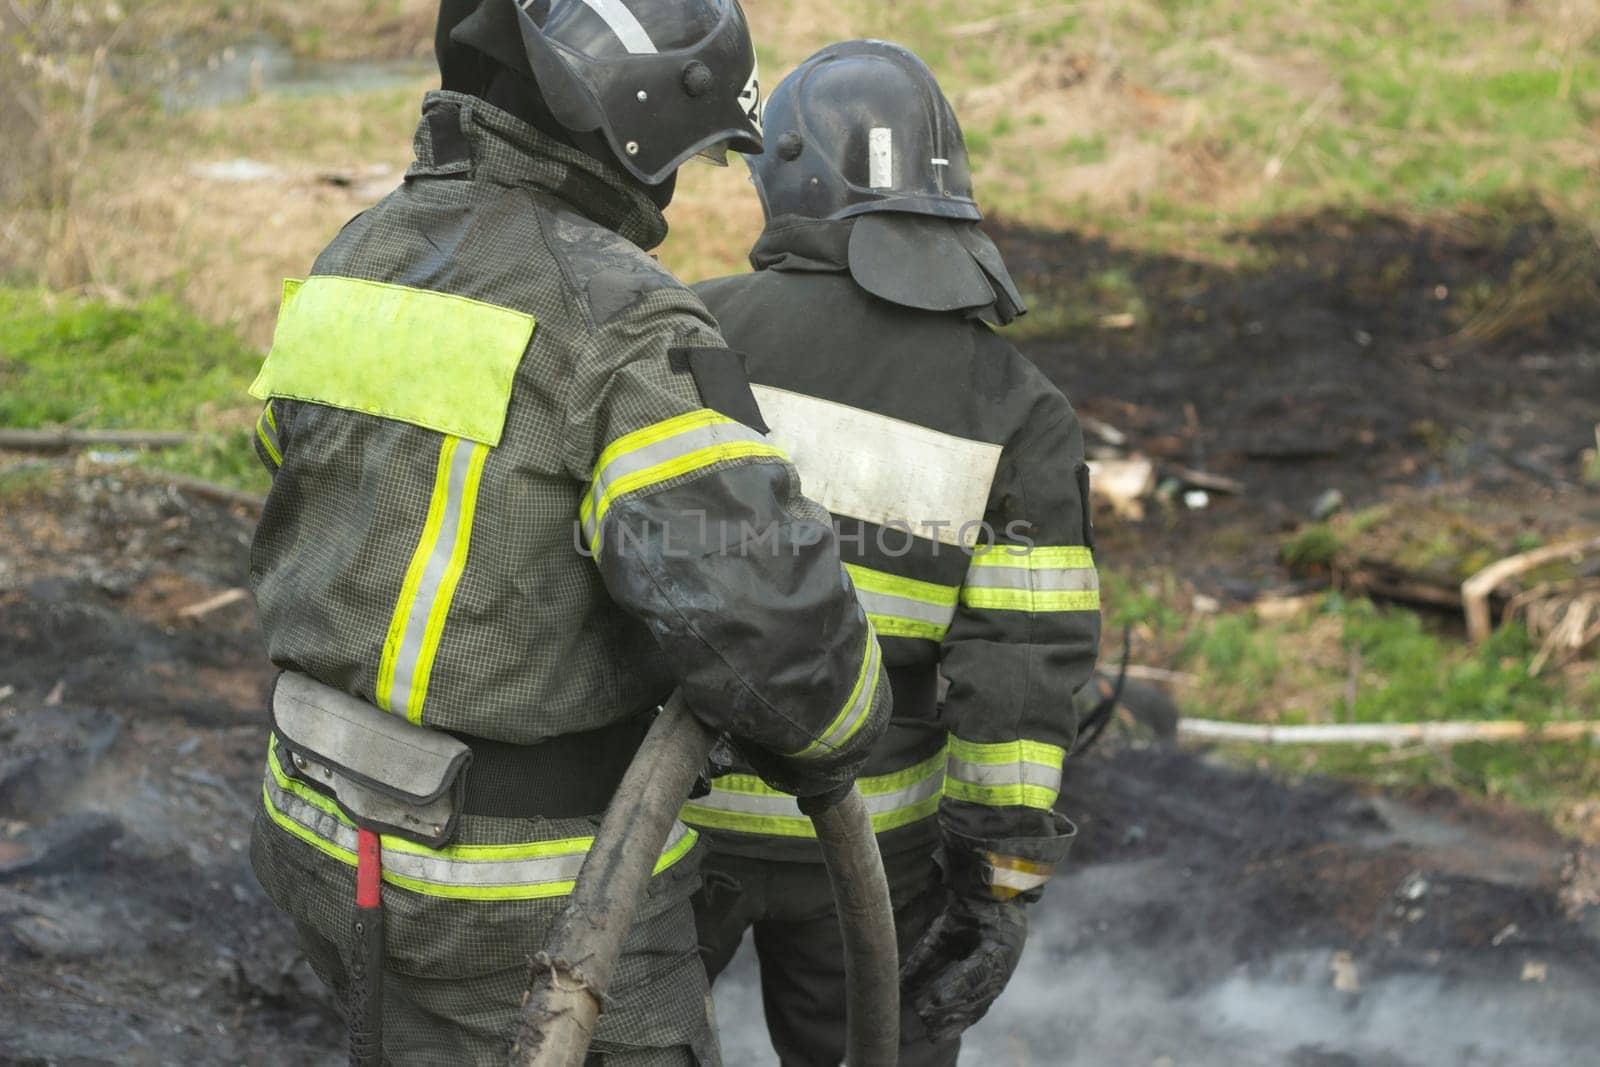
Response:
column 720, row 376
column 612, row 272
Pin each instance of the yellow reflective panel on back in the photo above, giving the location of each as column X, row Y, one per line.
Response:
column 434, row 360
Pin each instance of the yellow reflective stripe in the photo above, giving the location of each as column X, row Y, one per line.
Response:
column 1036, row 557
column 871, row 581
column 1017, row 773
column 267, row 431
column 744, row 803
column 419, row 561
column 447, row 586
column 1041, row 578
column 693, row 461
column 904, row 607
column 856, row 707
column 417, row 625
column 896, row 626
column 1006, row 752
column 568, row 849
column 1030, row 599
column 657, row 432
column 339, row 342
column 663, row 451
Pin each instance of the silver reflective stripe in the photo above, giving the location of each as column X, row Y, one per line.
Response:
column 766, row 805
column 906, row 608
column 1020, row 772
column 664, row 451
column 623, row 23
column 1021, row 881
column 881, row 469
column 437, row 868
column 410, row 653
column 1043, row 579
column 860, row 706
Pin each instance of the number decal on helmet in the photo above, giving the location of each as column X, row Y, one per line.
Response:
column 750, row 99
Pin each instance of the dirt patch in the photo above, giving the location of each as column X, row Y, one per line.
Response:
column 121, row 723
column 1380, row 356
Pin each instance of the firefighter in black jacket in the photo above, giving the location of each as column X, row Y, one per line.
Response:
column 955, row 473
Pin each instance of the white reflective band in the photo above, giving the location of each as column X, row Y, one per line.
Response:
column 1017, row 773
column 417, row 624
column 525, row 871
column 1020, row 772
column 675, row 447
column 936, row 617
column 623, row 23
column 1020, row 881
column 1038, row 578
column 745, row 804
column 782, row 806
column 1052, row 579
column 883, row 470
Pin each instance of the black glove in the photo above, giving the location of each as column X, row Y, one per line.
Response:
column 963, row 963
column 719, row 761
column 966, row 958
column 817, row 784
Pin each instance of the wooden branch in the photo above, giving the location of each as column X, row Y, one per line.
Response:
column 1396, row 733
column 1475, row 590
column 216, row 603
column 1383, row 580
column 67, row 440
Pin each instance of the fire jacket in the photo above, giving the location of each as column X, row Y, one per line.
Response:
column 499, row 461
column 955, row 471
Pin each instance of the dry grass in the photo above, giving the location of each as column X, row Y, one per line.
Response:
column 1163, row 125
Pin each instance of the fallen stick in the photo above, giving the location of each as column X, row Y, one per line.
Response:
column 1475, row 590
column 1388, row 733
column 210, row 604
column 68, row 440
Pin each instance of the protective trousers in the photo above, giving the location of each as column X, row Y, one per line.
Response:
column 789, row 906
column 456, row 969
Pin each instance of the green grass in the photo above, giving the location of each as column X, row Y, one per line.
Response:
column 1350, row 660
column 73, row 362
column 1316, row 545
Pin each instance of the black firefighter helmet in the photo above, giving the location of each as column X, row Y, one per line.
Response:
column 660, row 80
column 861, row 131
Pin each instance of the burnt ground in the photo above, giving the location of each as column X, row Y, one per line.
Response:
column 1213, row 915
column 1379, row 355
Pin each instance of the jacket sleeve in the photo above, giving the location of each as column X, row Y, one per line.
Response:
column 1024, row 640
column 699, row 529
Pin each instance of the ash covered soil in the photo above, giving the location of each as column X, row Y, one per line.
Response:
column 1212, row 915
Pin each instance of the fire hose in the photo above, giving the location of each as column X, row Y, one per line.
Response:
column 562, row 1007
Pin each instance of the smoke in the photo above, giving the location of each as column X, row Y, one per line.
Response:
column 1170, row 1002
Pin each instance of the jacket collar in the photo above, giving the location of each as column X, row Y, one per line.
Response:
column 796, row 243
column 504, row 150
